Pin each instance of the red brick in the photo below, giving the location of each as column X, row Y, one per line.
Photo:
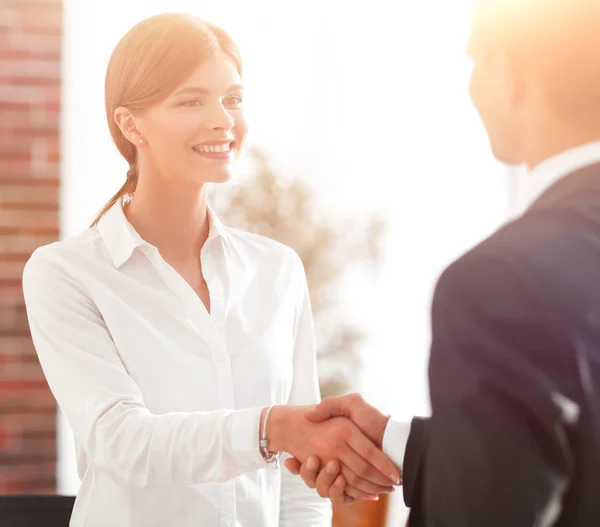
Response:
column 31, row 230
column 35, row 44
column 27, row 371
column 39, row 166
column 30, row 95
column 30, row 478
column 12, row 296
column 17, row 459
column 11, row 270
column 13, row 257
column 17, row 348
column 20, row 368
column 29, row 148
column 30, row 53
column 7, row 106
column 30, row 69
column 10, row 439
column 40, row 221
column 34, row 422
column 28, row 183
column 26, row 52
column 37, row 29
column 9, row 18
column 24, row 116
column 15, row 155
column 23, row 243
column 13, row 320
column 39, row 446
column 45, row 15
column 43, row 103
column 29, row 80
column 21, row 395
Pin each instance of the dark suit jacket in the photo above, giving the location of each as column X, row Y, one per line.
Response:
column 514, row 373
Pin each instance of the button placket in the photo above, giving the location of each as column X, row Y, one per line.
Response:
column 221, row 357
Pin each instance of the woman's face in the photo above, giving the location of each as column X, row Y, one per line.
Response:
column 198, row 131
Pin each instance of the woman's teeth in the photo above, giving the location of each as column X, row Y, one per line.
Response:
column 213, row 148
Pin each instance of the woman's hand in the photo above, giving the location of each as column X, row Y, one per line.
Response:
column 328, row 481
column 363, row 466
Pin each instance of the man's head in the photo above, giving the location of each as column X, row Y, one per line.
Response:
column 536, row 75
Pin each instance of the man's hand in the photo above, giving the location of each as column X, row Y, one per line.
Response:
column 363, row 465
column 369, row 419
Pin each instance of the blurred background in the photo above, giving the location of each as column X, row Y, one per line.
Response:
column 365, row 156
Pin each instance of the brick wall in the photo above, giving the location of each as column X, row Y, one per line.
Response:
column 30, row 40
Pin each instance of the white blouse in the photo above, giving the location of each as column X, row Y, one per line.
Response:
column 163, row 398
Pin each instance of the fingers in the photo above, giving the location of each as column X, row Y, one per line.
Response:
column 353, row 494
column 363, row 485
column 333, row 407
column 309, row 472
column 293, row 465
column 328, row 408
column 326, row 478
column 330, row 483
column 374, row 465
column 337, row 492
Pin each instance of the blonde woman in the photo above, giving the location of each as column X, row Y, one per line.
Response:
column 181, row 351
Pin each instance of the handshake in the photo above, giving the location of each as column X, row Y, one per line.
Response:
column 336, row 447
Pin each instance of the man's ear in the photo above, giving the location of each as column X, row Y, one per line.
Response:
column 126, row 121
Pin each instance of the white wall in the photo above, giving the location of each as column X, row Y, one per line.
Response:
column 369, row 101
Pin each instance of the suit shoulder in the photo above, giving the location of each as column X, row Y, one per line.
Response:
column 532, row 251
column 528, row 238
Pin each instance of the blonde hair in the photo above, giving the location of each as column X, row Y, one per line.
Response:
column 149, row 62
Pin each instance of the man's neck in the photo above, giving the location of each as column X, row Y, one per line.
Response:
column 554, row 140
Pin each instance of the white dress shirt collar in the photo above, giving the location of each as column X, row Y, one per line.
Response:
column 548, row 172
column 121, row 239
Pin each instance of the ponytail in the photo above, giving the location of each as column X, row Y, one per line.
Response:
column 127, row 189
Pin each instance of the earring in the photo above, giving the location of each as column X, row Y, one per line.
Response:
column 141, row 140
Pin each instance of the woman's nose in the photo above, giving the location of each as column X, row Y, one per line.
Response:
column 219, row 119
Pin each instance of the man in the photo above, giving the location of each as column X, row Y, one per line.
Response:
column 514, row 437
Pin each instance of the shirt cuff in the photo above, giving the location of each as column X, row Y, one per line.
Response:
column 395, row 438
column 244, row 435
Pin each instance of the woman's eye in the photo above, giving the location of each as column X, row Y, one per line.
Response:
column 234, row 100
column 195, row 102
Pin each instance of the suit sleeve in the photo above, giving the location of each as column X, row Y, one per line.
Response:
column 496, row 451
column 413, row 462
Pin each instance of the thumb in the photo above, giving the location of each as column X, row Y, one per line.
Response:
column 328, row 408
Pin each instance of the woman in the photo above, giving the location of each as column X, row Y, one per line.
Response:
column 166, row 337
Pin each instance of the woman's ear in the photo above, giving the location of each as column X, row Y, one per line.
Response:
column 126, row 122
